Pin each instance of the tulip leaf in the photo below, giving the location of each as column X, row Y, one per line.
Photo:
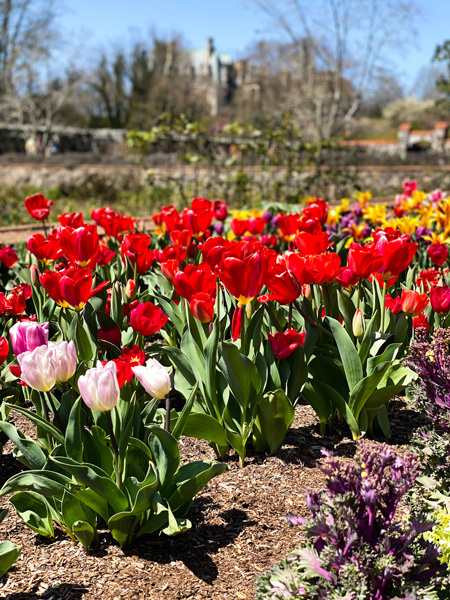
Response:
column 32, row 454
column 316, row 395
column 189, row 346
column 351, row 361
column 241, row 375
column 34, row 511
column 205, row 427
column 274, row 414
column 383, row 421
column 73, row 439
column 176, row 526
column 180, row 425
column 48, row 483
column 210, row 351
column 298, row 373
column 190, row 479
column 165, row 452
column 366, row 341
column 84, row 532
column 96, row 479
column 116, row 308
column 388, row 355
column 252, row 338
column 9, row 553
column 73, row 510
column 40, row 422
column 364, row 389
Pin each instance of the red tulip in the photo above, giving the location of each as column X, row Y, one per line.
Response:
column 220, row 210
column 393, row 304
column 202, row 306
column 308, row 243
column 438, row 254
column 316, row 209
column 195, row 279
column 4, row 349
column 105, row 255
column 110, row 334
column 256, row 225
column 364, row 260
column 147, row 318
column 74, row 220
column 198, row 218
column 81, row 245
column 427, row 278
column 409, row 187
column 421, row 321
column 181, row 237
column 347, row 278
column 397, row 253
column 8, row 256
column 38, row 207
column 136, row 248
column 283, row 285
column 322, row 268
column 284, row 344
column 73, row 288
column 243, row 278
column 171, row 218
column 169, row 269
column 45, row 249
column 413, row 303
column 289, row 226
column 114, row 224
column 440, row 299
column 239, row 226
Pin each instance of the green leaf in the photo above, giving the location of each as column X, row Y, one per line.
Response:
column 348, row 353
column 165, row 452
column 241, row 375
column 175, row 525
column 40, row 422
column 192, row 350
column 180, row 425
column 383, row 421
column 73, row 510
column 34, row 511
column 205, row 427
column 211, row 369
column 298, row 374
column 274, row 414
column 47, row 483
column 190, row 479
column 317, row 397
column 73, row 441
column 388, row 355
column 364, row 389
column 84, row 532
column 96, row 479
column 9, row 553
column 32, row 452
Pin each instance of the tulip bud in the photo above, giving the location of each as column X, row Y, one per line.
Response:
column 249, row 310
column 358, row 324
column 130, row 289
column 34, row 272
column 154, row 378
column 99, row 387
column 307, row 292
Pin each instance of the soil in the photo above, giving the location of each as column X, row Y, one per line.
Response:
column 238, row 527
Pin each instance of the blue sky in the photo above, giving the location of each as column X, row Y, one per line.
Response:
column 232, row 24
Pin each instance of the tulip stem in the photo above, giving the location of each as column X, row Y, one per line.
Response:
column 47, row 418
column 56, row 416
column 290, row 316
column 115, row 448
column 311, row 321
column 383, row 307
column 168, row 413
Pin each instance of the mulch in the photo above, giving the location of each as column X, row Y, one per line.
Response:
column 239, row 527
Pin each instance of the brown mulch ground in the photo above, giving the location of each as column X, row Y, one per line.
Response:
column 238, row 528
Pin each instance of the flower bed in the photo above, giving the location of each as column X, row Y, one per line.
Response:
column 214, row 328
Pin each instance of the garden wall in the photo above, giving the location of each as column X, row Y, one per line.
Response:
column 100, row 180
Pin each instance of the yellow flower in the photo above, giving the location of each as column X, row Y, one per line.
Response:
column 363, row 197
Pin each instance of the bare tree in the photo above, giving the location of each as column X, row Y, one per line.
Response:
column 26, row 36
column 340, row 46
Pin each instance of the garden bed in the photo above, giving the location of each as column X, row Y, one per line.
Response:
column 238, row 529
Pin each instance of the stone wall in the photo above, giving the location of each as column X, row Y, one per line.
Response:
column 90, row 180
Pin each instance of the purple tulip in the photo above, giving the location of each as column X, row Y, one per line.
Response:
column 99, row 387
column 27, row 335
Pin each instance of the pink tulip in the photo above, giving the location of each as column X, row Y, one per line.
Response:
column 99, row 387
column 38, row 368
column 154, row 378
column 65, row 357
column 27, row 335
